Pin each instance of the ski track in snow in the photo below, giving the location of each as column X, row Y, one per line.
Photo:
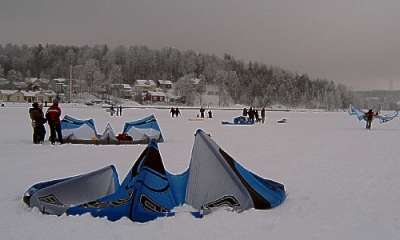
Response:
column 342, row 181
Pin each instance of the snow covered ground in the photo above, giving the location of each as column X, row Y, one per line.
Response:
column 342, row 181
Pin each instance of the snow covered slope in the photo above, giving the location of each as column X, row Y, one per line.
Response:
column 342, row 181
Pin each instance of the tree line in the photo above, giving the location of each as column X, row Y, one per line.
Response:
column 238, row 81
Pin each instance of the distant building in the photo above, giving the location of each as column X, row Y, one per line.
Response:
column 5, row 95
column 164, row 84
column 26, row 96
column 12, row 96
column 151, row 96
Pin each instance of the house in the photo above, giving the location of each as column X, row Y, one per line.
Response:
column 145, row 85
column 26, row 96
column 29, row 96
column 164, row 84
column 5, row 95
column 154, row 96
column 16, row 96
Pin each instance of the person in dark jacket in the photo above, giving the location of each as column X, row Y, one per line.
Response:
column 256, row 115
column 244, row 112
column 263, row 115
column 202, row 110
column 251, row 114
column 172, row 111
column 38, row 121
column 209, row 114
column 177, row 112
column 53, row 118
column 112, row 110
column 369, row 116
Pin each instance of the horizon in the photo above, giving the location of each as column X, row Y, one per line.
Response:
column 355, row 43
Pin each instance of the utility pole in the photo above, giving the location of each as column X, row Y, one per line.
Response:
column 70, row 81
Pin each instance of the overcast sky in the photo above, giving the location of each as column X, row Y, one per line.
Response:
column 348, row 41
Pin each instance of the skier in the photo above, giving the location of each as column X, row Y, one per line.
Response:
column 38, row 122
column 53, row 118
column 120, row 110
column 369, row 116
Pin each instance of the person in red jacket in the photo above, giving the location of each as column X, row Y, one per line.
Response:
column 53, row 118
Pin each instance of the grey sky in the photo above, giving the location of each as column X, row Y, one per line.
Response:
column 353, row 42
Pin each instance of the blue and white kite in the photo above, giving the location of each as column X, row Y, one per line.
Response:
column 213, row 180
column 361, row 115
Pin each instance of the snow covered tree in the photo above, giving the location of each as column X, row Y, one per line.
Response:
column 2, row 75
column 14, row 76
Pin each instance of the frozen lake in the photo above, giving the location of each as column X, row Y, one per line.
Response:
column 342, row 181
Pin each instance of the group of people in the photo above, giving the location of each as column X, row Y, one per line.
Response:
column 175, row 112
column 202, row 111
column 39, row 119
column 116, row 110
column 253, row 114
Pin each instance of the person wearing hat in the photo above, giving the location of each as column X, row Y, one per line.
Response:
column 53, row 118
column 38, row 121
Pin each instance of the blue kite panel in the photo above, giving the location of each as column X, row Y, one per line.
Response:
column 70, row 123
column 147, row 192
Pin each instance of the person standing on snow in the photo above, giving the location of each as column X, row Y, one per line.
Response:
column 177, row 112
column 263, row 115
column 202, row 110
column 244, row 114
column 172, row 111
column 209, row 114
column 53, row 118
column 369, row 116
column 38, row 122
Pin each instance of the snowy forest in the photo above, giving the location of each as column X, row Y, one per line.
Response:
column 250, row 83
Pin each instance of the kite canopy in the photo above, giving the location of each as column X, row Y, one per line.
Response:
column 147, row 192
column 146, row 128
column 76, row 129
column 361, row 116
column 84, row 132
column 55, row 197
column 216, row 179
column 241, row 120
column 213, row 180
column 108, row 135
